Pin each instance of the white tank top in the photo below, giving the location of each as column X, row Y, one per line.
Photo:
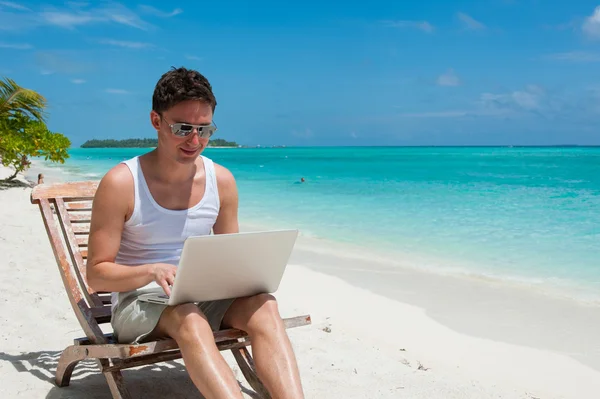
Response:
column 154, row 234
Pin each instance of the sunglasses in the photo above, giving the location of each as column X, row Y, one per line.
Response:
column 185, row 129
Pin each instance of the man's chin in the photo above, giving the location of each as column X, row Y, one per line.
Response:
column 187, row 160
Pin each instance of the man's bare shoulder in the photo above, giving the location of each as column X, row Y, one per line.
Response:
column 117, row 179
column 116, row 192
column 225, row 178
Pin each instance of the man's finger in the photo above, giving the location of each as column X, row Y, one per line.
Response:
column 165, row 288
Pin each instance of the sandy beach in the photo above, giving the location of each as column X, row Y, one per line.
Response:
column 379, row 330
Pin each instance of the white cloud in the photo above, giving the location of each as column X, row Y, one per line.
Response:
column 193, row 57
column 126, row 44
column 575, row 56
column 16, row 46
column 117, row 91
column 14, row 6
column 71, row 16
column 526, row 100
column 77, row 81
column 66, row 19
column 155, row 11
column 591, row 24
column 122, row 15
column 421, row 25
column 470, row 22
column 448, row 79
column 532, row 98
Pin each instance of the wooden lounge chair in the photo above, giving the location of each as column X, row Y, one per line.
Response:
column 67, row 226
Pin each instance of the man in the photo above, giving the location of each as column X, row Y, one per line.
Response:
column 143, row 211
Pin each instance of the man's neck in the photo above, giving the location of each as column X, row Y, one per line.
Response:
column 169, row 170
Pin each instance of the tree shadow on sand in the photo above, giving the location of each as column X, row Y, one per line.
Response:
column 6, row 184
column 160, row 380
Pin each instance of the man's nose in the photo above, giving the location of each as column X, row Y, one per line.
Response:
column 195, row 138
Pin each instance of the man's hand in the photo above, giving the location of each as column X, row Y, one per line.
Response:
column 164, row 275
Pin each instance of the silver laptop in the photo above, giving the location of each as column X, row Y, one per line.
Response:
column 225, row 266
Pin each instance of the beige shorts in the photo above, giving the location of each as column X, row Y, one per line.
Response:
column 134, row 320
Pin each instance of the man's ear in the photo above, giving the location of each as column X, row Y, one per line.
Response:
column 155, row 119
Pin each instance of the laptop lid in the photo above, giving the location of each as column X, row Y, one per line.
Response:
column 236, row 265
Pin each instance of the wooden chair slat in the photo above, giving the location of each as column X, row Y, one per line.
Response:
column 105, row 299
column 76, row 255
column 79, row 206
column 174, row 355
column 81, row 228
column 70, row 191
column 80, row 217
column 82, row 240
column 104, row 296
column 102, row 314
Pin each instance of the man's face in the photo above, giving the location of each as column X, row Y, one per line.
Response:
column 182, row 149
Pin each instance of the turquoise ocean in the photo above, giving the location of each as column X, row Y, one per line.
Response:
column 528, row 215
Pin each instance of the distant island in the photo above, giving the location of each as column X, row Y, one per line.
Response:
column 145, row 143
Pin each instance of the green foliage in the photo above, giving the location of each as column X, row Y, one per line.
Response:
column 16, row 99
column 222, row 143
column 144, row 143
column 22, row 137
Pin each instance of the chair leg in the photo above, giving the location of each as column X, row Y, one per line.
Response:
column 246, row 363
column 116, row 384
column 66, row 364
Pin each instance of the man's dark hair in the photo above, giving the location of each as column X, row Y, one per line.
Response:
column 181, row 84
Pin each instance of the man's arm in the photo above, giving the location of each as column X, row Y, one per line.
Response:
column 227, row 221
column 111, row 206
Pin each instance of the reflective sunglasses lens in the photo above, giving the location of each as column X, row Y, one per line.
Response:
column 206, row 131
column 176, row 129
column 185, row 130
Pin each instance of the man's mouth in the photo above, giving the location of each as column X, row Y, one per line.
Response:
column 188, row 151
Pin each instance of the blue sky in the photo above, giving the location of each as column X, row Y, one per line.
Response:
column 319, row 73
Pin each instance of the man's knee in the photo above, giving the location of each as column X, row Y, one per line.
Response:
column 186, row 322
column 266, row 304
column 260, row 313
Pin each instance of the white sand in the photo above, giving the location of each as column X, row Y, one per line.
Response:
column 374, row 349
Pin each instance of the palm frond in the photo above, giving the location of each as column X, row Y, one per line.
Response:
column 14, row 98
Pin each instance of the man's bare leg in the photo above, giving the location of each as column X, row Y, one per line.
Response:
column 208, row 369
column 271, row 348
